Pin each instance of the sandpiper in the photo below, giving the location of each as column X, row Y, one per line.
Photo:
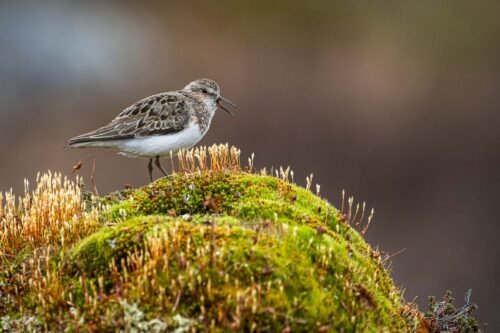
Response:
column 159, row 124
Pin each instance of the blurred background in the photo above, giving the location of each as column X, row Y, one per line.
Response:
column 396, row 102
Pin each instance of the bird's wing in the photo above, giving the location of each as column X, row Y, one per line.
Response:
column 160, row 114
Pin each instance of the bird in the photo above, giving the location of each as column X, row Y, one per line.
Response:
column 160, row 124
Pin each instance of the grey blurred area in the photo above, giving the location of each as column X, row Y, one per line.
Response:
column 396, row 102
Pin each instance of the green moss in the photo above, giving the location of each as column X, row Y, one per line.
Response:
column 223, row 251
column 298, row 274
column 245, row 196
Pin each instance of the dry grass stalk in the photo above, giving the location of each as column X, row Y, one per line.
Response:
column 53, row 214
column 355, row 209
column 213, row 158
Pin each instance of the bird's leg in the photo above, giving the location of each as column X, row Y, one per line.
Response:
column 157, row 162
column 150, row 169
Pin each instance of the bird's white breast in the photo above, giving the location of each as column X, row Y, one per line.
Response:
column 160, row 145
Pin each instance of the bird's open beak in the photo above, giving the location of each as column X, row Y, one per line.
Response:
column 226, row 101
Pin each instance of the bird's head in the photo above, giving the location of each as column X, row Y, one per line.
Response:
column 209, row 89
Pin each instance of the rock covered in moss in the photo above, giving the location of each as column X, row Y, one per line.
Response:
column 220, row 251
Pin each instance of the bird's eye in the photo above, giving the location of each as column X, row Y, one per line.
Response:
column 204, row 90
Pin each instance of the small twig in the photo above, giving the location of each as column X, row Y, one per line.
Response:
column 92, row 178
column 177, row 299
column 355, row 215
column 172, row 162
column 389, row 256
column 370, row 218
column 343, row 198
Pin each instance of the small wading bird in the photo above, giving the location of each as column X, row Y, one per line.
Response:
column 159, row 124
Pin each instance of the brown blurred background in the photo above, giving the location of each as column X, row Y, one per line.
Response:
column 396, row 102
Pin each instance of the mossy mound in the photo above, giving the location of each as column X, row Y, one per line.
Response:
column 222, row 251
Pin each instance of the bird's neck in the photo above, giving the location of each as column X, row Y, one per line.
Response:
column 205, row 113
